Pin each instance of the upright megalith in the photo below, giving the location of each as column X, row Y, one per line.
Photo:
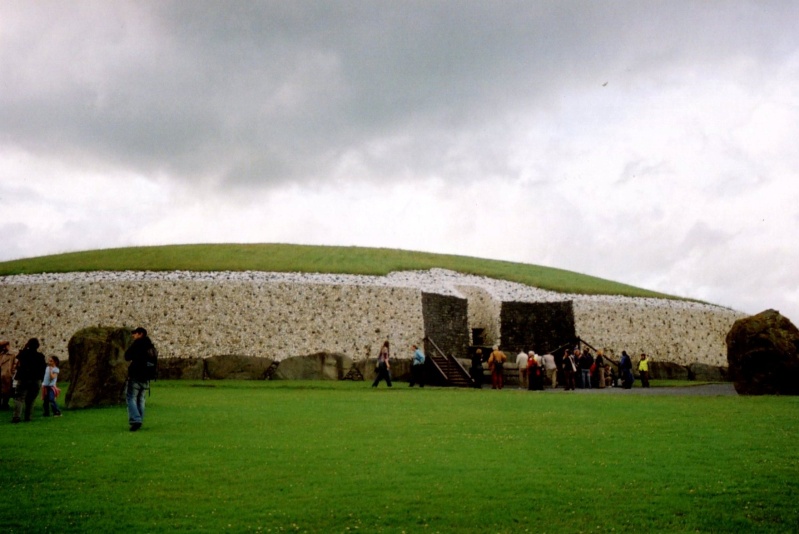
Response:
column 763, row 355
column 98, row 367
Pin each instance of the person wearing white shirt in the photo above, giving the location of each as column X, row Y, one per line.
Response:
column 521, row 362
column 551, row 369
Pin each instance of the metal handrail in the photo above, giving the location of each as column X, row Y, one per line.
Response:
column 450, row 358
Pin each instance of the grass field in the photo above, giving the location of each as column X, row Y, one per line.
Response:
column 313, row 259
column 343, row 457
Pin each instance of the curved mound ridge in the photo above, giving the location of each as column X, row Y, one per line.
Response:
column 314, row 259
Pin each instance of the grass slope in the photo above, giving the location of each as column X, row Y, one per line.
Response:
column 314, row 259
column 341, row 456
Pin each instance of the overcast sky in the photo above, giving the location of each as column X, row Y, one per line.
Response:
column 652, row 143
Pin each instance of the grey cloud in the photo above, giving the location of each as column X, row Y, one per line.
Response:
column 267, row 92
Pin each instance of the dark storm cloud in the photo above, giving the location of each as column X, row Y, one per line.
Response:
column 268, row 92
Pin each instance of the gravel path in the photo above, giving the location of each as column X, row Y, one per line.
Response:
column 711, row 390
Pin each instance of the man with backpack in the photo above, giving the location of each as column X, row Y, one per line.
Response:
column 143, row 358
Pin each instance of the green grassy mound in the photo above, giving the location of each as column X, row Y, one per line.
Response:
column 314, row 259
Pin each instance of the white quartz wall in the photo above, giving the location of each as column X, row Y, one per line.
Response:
column 278, row 315
column 201, row 319
column 674, row 331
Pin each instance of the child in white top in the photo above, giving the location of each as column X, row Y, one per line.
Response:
column 49, row 389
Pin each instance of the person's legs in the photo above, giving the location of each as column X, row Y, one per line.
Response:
column 54, row 404
column 32, row 391
column 381, row 369
column 19, row 403
column 51, row 403
column 135, row 400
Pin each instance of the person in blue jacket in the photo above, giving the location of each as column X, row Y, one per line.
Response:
column 417, row 367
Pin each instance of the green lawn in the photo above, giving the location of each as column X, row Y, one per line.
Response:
column 343, row 457
column 313, row 259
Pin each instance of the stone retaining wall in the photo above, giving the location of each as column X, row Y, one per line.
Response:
column 199, row 319
column 277, row 316
column 679, row 332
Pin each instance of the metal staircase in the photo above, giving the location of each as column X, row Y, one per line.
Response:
column 449, row 370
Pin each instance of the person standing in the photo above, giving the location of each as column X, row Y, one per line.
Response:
column 138, row 354
column 643, row 370
column 535, row 373
column 551, row 369
column 6, row 363
column 49, row 389
column 586, row 361
column 569, row 369
column 417, row 367
column 383, row 366
column 477, row 368
column 626, row 370
column 521, row 362
column 28, row 371
column 496, row 362
column 601, row 367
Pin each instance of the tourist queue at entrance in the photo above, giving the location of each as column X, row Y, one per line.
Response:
column 572, row 369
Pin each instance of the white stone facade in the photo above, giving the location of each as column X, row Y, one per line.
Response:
column 278, row 315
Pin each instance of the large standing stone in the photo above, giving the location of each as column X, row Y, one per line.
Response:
column 763, row 355
column 97, row 367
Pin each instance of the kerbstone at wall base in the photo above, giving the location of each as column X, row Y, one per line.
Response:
column 667, row 370
column 320, row 366
column 181, row 368
column 708, row 373
column 236, row 367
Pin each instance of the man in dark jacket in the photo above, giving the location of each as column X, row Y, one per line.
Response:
column 28, row 373
column 138, row 378
column 626, row 370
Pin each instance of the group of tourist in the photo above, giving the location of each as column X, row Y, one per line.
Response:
column 24, row 377
column 28, row 374
column 577, row 368
column 574, row 368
